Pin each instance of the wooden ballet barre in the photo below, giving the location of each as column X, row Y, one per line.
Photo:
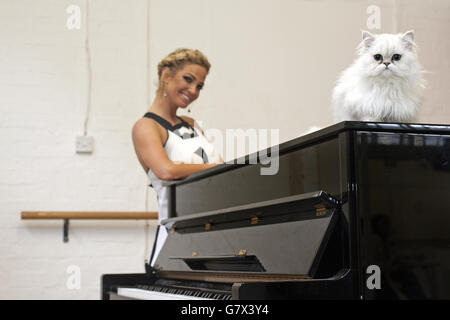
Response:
column 87, row 215
column 93, row 215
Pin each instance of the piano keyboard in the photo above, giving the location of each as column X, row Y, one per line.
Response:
column 167, row 293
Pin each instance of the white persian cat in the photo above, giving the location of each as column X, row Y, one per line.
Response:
column 383, row 84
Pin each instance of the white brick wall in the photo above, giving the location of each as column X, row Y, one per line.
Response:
column 43, row 107
column 273, row 62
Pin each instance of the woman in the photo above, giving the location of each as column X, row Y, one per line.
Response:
column 168, row 146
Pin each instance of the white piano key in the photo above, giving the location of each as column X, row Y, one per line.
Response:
column 153, row 295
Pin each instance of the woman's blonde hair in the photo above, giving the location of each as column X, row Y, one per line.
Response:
column 177, row 59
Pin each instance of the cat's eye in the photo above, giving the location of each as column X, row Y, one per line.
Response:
column 396, row 57
column 378, row 57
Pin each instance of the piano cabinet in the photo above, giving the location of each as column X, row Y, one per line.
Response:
column 358, row 210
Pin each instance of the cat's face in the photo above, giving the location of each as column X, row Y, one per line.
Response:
column 388, row 55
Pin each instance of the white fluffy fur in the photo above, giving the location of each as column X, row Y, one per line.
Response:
column 371, row 91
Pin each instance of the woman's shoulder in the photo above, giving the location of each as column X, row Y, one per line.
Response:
column 146, row 126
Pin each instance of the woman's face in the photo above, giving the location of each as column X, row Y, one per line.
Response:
column 184, row 86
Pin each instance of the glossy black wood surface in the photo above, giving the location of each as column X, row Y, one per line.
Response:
column 403, row 204
column 394, row 184
column 299, row 171
column 388, row 237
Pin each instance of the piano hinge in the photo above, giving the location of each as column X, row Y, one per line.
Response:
column 242, row 253
column 172, row 230
column 194, row 254
column 320, row 210
column 255, row 219
column 207, row 226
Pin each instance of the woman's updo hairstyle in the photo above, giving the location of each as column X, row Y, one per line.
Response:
column 177, row 59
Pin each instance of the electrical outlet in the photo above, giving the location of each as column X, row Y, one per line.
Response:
column 84, row 144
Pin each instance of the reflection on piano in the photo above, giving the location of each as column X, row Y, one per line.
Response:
column 358, row 210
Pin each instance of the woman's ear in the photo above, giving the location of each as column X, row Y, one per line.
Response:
column 166, row 74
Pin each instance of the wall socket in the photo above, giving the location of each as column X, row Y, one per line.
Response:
column 84, row 144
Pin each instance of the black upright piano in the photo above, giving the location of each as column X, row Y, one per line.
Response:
column 358, row 210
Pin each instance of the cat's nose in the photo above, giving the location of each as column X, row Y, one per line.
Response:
column 387, row 63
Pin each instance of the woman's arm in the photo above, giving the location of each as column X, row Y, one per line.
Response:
column 148, row 144
column 181, row 170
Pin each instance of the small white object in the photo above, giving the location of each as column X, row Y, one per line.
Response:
column 84, row 144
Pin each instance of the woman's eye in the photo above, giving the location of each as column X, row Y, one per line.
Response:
column 188, row 79
column 199, row 87
column 396, row 57
column 378, row 57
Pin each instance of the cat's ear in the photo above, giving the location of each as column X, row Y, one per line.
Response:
column 368, row 38
column 408, row 39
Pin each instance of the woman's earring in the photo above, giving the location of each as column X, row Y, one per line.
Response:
column 164, row 90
